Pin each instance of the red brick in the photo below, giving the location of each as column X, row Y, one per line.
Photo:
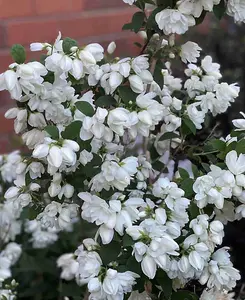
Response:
column 5, row 146
column 2, row 36
column 98, row 4
column 51, row 6
column 95, row 24
column 28, row 31
column 15, row 8
column 5, row 101
column 5, row 60
column 6, row 125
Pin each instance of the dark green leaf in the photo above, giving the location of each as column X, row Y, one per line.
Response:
column 72, row 130
column 193, row 210
column 151, row 21
column 166, row 283
column 195, row 170
column 169, row 136
column 52, row 131
column 240, row 147
column 127, row 241
column 158, row 77
column 86, row 108
column 106, row 101
column 190, row 125
column 201, row 18
column 166, row 3
column 159, row 166
column 138, row 21
column 67, row 44
column 133, row 265
column 219, row 10
column 110, row 252
column 127, row 26
column 126, row 94
column 218, row 144
column 187, row 187
column 18, row 53
column 183, row 173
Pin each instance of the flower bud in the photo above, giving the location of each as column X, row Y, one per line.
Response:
column 148, row 266
column 111, row 48
column 136, row 84
column 41, row 151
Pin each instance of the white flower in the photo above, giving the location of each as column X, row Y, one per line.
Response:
column 211, row 68
column 195, row 115
column 239, row 123
column 214, row 294
column 190, row 52
column 69, row 266
column 130, row 2
column 173, row 21
column 236, row 9
column 220, row 272
column 118, row 120
column 89, row 264
column 235, row 163
column 136, row 84
column 85, row 157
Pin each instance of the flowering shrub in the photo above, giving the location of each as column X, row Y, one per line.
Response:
column 114, row 148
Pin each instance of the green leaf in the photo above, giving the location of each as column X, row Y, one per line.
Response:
column 151, row 21
column 240, row 147
column 195, row 170
column 166, row 283
column 133, row 265
column 67, row 44
column 138, row 21
column 190, row 125
column 52, row 131
column 166, row 3
column 219, row 10
column 72, row 130
column 127, row 26
column 106, row 101
column 159, row 166
column 183, row 173
column 126, row 94
column 206, row 167
column 193, row 210
column 110, row 252
column 184, row 295
column 18, row 53
column 85, row 107
column 169, row 136
column 158, row 77
column 127, row 241
column 218, row 144
column 201, row 18
column 187, row 187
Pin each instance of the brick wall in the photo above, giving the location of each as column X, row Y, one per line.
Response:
column 26, row 21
